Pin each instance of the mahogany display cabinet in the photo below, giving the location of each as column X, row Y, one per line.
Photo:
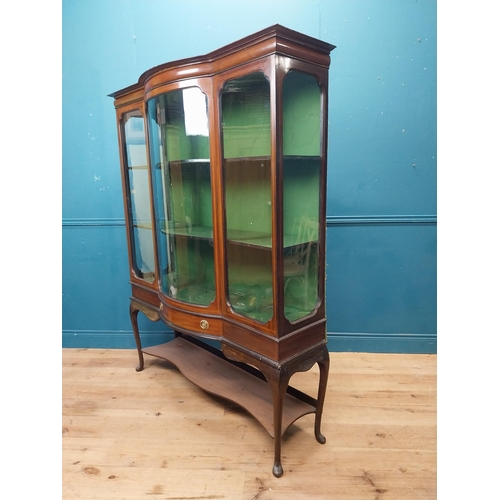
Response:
column 223, row 161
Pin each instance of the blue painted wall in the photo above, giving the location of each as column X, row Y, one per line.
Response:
column 381, row 224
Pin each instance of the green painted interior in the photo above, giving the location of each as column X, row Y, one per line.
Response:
column 250, row 280
column 190, row 197
column 189, row 231
column 247, row 195
column 301, row 115
column 246, row 117
column 301, row 187
column 193, row 274
column 301, row 182
column 301, row 178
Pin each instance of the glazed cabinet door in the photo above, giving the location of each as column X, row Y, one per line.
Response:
column 245, row 109
column 303, row 171
column 274, row 172
column 137, row 196
column 180, row 162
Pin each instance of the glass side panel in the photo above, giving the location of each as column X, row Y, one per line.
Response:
column 301, row 188
column 246, row 135
column 178, row 127
column 139, row 207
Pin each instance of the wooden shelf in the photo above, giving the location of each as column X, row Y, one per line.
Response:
column 185, row 162
column 263, row 240
column 201, row 232
column 220, row 377
column 235, row 236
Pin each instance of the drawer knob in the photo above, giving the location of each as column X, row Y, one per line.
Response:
column 204, row 324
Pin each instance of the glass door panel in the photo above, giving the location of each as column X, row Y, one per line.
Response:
column 246, row 137
column 183, row 196
column 301, row 188
column 139, row 207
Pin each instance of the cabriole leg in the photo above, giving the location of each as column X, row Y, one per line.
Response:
column 279, row 384
column 135, row 327
column 324, row 365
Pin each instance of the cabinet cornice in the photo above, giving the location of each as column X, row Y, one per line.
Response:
column 273, row 40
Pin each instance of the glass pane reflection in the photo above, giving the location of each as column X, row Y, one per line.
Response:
column 139, row 200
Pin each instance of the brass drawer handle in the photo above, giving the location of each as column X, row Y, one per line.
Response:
column 204, row 324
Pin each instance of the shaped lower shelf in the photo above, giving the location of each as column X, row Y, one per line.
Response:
column 218, row 376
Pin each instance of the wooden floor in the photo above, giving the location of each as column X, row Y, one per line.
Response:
column 154, row 435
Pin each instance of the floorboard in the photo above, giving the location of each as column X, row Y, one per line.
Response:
column 153, row 434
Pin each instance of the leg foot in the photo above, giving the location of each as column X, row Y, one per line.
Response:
column 319, row 437
column 277, row 470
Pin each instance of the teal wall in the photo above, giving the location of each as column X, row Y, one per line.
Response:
column 381, row 223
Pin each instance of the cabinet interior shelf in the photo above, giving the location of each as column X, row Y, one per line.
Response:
column 229, row 161
column 198, row 231
column 218, row 376
column 187, row 161
column 248, row 238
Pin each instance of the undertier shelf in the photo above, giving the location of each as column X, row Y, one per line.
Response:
column 220, row 377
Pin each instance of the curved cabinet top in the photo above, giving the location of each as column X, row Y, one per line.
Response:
column 273, row 40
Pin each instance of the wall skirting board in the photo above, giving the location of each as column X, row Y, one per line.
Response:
column 82, row 222
column 337, row 341
column 355, row 220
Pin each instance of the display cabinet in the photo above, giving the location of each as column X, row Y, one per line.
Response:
column 224, row 183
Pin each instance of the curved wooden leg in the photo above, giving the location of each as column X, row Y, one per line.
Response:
column 324, row 365
column 135, row 327
column 278, row 378
column 279, row 384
